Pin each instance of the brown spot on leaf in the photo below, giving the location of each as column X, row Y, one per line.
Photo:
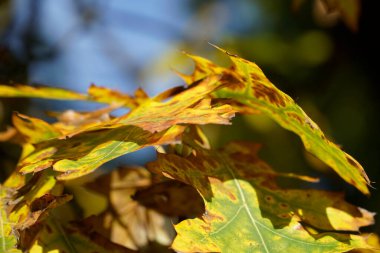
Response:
column 284, row 205
column 199, row 69
column 268, row 93
column 295, row 116
column 23, row 118
column 231, row 196
column 42, row 202
column 206, row 228
column 352, row 162
column 269, row 199
column 255, row 77
column 310, row 123
column 207, row 216
column 210, row 65
column 284, row 215
column 232, row 82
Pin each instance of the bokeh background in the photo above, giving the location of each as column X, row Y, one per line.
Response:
column 324, row 57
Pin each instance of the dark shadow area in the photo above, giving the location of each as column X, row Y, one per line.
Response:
column 172, row 198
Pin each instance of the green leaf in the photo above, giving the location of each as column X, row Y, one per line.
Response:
column 248, row 212
column 252, row 92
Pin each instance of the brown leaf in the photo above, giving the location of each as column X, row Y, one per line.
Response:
column 127, row 222
column 171, row 198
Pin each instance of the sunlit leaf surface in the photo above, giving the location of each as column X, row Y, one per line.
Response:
column 33, row 129
column 39, row 92
column 245, row 83
column 248, row 212
column 228, row 199
column 151, row 123
column 85, row 152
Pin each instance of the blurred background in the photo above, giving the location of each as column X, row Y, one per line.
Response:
column 320, row 52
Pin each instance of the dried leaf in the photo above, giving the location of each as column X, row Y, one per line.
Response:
column 126, row 222
column 171, row 198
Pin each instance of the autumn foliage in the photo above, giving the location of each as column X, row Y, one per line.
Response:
column 219, row 200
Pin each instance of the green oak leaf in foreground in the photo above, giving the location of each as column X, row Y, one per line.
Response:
column 245, row 210
column 252, row 92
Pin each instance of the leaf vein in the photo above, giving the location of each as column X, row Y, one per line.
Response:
column 256, row 222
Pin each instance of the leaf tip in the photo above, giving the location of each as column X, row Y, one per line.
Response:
column 222, row 50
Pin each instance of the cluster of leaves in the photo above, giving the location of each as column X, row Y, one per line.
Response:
column 222, row 200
